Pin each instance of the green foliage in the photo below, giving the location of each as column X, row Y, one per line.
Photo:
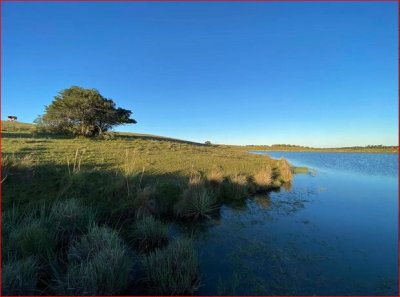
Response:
column 167, row 195
column 148, row 234
column 83, row 112
column 208, row 143
column 31, row 238
column 197, row 201
column 20, row 277
column 173, row 270
column 97, row 265
column 235, row 188
column 70, row 220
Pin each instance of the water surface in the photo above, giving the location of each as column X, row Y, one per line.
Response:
column 333, row 232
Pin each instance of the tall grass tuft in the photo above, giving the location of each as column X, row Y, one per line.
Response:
column 263, row 179
column 145, row 202
column 98, row 264
column 235, row 188
column 173, row 270
column 215, row 177
column 70, row 220
column 285, row 171
column 20, row 277
column 197, row 201
column 31, row 238
column 148, row 234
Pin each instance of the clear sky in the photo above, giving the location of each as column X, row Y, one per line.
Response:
column 317, row 74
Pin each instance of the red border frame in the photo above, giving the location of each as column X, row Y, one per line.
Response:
column 398, row 142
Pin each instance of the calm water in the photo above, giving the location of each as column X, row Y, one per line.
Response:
column 334, row 232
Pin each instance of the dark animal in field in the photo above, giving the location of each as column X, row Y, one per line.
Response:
column 12, row 118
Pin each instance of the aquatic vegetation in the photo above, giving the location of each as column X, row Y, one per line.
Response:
column 20, row 277
column 173, row 270
column 148, row 234
column 299, row 170
column 98, row 264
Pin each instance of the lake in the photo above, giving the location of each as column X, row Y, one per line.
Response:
column 332, row 232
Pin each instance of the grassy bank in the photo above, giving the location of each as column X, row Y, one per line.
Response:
column 90, row 216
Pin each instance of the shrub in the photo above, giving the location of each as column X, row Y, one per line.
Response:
column 173, row 270
column 20, row 277
column 148, row 234
column 97, row 265
column 71, row 219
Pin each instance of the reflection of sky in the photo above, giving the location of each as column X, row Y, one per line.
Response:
column 332, row 234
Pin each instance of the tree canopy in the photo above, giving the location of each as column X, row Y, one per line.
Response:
column 84, row 112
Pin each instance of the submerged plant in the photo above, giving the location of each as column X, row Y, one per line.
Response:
column 20, row 277
column 148, row 234
column 98, row 264
column 173, row 270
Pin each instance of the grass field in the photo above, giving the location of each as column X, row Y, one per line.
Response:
column 90, row 216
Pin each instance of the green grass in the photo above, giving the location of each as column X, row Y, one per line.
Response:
column 173, row 270
column 70, row 220
column 56, row 190
column 20, row 277
column 148, row 234
column 98, row 264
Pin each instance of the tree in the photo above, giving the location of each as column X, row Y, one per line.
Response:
column 83, row 112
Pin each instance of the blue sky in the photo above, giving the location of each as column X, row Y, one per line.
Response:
column 317, row 74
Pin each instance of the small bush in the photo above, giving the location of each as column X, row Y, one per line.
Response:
column 71, row 219
column 173, row 270
column 148, row 234
column 20, row 277
column 97, row 265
